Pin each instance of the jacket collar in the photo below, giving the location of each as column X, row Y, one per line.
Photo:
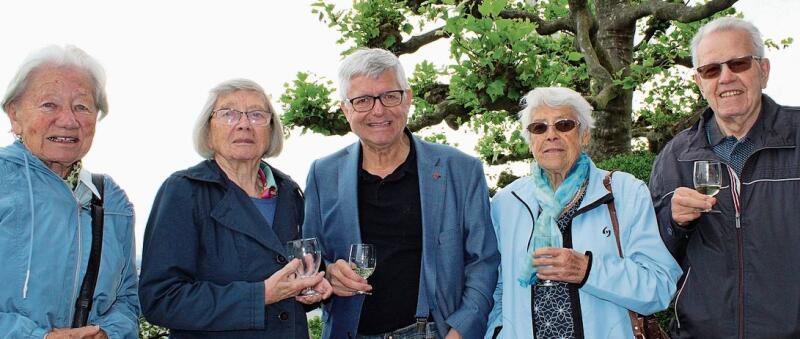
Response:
column 596, row 192
column 769, row 131
column 235, row 211
column 432, row 178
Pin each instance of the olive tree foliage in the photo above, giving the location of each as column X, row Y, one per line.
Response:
column 500, row 49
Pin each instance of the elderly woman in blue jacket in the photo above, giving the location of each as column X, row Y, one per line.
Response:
column 576, row 285
column 54, row 103
column 214, row 260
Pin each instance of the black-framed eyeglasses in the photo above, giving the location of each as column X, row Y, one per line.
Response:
column 736, row 65
column 365, row 103
column 232, row 116
column 561, row 125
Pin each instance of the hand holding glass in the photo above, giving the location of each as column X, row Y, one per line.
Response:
column 308, row 251
column 546, row 241
column 707, row 179
column 362, row 261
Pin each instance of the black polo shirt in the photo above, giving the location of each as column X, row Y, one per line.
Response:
column 391, row 219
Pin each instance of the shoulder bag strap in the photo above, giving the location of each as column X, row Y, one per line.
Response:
column 84, row 303
column 636, row 321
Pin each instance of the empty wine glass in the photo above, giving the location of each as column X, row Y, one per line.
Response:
column 540, row 241
column 308, row 251
column 707, row 179
column 362, row 261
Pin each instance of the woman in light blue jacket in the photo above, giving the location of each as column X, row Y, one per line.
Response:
column 45, row 192
column 575, row 286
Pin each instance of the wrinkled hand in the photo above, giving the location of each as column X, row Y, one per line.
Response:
column 86, row 332
column 345, row 281
column 285, row 283
column 323, row 289
column 687, row 205
column 560, row 264
column 453, row 334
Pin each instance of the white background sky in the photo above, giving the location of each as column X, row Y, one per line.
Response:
column 162, row 57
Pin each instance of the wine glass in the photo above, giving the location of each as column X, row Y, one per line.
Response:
column 308, row 251
column 707, row 179
column 540, row 241
column 362, row 261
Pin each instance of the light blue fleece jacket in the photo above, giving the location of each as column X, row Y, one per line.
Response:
column 45, row 239
column 644, row 281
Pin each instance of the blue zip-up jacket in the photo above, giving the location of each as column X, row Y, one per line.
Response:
column 644, row 281
column 45, row 239
column 741, row 276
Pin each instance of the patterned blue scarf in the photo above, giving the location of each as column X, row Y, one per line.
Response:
column 552, row 203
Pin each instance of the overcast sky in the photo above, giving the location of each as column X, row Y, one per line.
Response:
column 162, row 57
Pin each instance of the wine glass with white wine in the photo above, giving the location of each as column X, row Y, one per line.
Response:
column 707, row 179
column 362, row 261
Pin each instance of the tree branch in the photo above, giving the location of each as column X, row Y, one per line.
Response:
column 506, row 158
column 664, row 10
column 604, row 80
column 416, row 42
column 543, row 27
column 653, row 26
column 600, row 100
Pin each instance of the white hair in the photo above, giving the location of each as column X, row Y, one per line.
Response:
column 555, row 97
column 728, row 23
column 371, row 62
column 54, row 55
column 201, row 126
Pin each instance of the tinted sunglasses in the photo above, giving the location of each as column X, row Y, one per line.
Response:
column 561, row 125
column 737, row 65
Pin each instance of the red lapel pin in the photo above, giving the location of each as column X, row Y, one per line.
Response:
column 436, row 175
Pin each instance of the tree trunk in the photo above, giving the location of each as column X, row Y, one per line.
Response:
column 614, row 43
column 612, row 130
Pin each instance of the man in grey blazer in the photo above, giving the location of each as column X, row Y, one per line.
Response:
column 424, row 207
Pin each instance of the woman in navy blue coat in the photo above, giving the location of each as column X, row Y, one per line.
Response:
column 214, row 262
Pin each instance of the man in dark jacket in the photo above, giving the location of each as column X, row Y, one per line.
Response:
column 740, row 260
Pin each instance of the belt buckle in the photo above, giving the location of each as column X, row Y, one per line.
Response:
column 421, row 322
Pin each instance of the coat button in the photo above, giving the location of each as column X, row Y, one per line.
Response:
column 283, row 316
column 281, row 259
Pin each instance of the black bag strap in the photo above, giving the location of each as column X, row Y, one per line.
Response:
column 638, row 330
column 84, row 303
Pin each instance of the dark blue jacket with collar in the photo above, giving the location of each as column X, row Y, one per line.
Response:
column 207, row 251
column 740, row 269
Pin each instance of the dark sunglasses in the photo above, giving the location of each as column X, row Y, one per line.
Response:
column 561, row 125
column 737, row 65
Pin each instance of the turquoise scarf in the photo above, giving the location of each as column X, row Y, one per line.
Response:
column 552, row 203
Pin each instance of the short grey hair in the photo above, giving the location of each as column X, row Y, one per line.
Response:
column 555, row 97
column 728, row 23
column 53, row 55
column 201, row 126
column 371, row 62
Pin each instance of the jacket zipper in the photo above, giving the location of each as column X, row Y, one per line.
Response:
column 77, row 270
column 533, row 221
column 678, row 296
column 735, row 191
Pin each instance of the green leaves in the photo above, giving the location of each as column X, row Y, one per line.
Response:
column 492, row 8
column 371, row 23
column 307, row 103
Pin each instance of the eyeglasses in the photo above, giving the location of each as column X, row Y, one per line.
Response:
column 365, row 103
column 561, row 125
column 232, row 116
column 736, row 65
